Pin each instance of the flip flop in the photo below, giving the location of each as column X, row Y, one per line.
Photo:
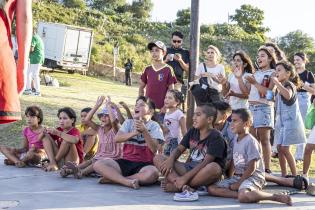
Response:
column 20, row 164
column 8, row 162
column 75, row 170
column 65, row 171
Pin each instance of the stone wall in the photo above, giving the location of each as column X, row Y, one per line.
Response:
column 98, row 69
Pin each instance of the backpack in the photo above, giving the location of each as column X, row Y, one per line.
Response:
column 203, row 92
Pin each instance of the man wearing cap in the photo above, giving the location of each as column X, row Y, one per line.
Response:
column 157, row 78
column 178, row 58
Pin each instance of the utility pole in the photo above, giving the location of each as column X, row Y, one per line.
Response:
column 115, row 52
column 194, row 56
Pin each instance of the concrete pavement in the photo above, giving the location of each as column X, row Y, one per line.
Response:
column 32, row 188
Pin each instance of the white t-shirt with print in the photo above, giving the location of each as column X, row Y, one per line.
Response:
column 236, row 102
column 254, row 93
column 171, row 121
column 218, row 69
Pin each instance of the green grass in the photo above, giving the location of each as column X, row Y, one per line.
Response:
column 79, row 92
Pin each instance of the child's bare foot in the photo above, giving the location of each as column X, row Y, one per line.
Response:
column 188, row 188
column 168, row 186
column 134, row 184
column 51, row 167
column 20, row 164
column 8, row 162
column 283, row 199
column 103, row 180
column 28, row 156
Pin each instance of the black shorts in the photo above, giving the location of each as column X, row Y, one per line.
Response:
column 129, row 168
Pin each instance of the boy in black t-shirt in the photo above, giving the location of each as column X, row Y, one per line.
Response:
column 206, row 162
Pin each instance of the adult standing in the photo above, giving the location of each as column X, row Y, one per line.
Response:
column 211, row 68
column 36, row 60
column 178, row 58
column 12, row 74
column 304, row 94
column 128, row 70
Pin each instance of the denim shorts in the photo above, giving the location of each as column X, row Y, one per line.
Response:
column 170, row 146
column 263, row 115
column 190, row 165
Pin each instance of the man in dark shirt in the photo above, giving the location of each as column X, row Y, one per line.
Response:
column 128, row 70
column 178, row 58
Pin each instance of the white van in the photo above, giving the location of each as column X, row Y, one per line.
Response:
column 66, row 47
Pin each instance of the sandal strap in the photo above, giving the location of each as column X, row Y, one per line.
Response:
column 299, row 181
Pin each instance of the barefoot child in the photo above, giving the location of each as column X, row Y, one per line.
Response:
column 207, row 155
column 174, row 125
column 106, row 132
column 32, row 151
column 249, row 175
column 141, row 137
column 63, row 142
column 90, row 142
column 289, row 129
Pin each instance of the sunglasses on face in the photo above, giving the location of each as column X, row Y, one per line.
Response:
column 177, row 41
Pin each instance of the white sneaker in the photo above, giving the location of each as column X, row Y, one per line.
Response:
column 186, row 196
column 202, row 191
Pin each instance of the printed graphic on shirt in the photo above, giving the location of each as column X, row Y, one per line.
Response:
column 198, row 151
column 239, row 159
column 160, row 76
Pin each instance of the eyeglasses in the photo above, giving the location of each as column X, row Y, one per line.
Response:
column 177, row 41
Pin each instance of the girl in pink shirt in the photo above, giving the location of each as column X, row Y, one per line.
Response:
column 106, row 132
column 32, row 151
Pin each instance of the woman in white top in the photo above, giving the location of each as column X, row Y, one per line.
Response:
column 236, row 88
column 211, row 67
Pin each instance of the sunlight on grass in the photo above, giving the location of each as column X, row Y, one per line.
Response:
column 80, row 92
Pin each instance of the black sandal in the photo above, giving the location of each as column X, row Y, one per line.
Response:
column 298, row 182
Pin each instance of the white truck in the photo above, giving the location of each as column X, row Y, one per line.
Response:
column 66, row 47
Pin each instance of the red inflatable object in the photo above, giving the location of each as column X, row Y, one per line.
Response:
column 10, row 110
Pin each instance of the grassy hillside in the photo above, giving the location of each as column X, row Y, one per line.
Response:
column 132, row 34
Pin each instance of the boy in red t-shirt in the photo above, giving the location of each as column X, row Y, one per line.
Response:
column 158, row 77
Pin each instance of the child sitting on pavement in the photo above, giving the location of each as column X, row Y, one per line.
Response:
column 206, row 162
column 106, row 132
column 32, row 151
column 249, row 176
column 90, row 142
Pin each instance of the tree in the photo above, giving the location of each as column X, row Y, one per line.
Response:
column 75, row 4
column 141, row 8
column 102, row 5
column 296, row 41
column 183, row 17
column 250, row 19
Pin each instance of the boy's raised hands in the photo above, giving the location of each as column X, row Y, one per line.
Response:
column 100, row 101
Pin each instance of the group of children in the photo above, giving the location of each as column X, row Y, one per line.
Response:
column 224, row 144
